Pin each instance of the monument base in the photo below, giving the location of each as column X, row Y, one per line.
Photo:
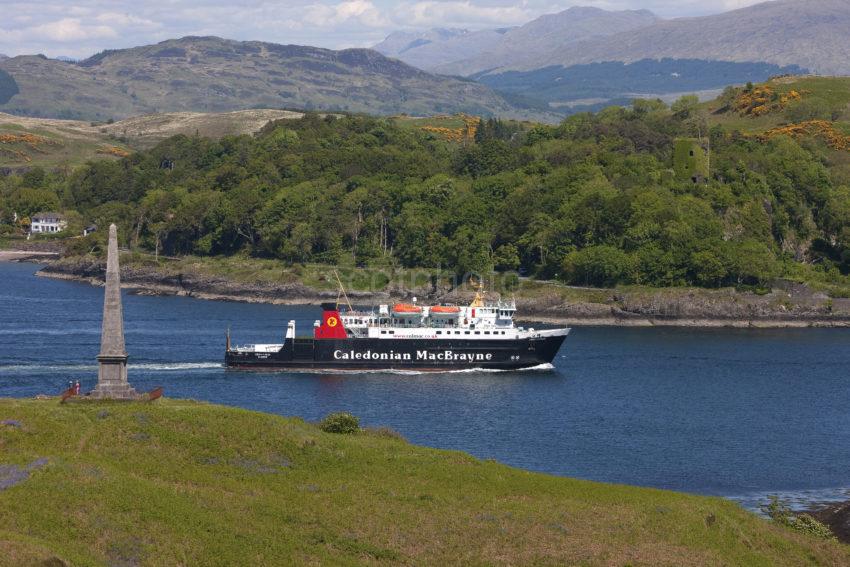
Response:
column 112, row 381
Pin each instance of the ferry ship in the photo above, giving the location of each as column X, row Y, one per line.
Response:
column 407, row 336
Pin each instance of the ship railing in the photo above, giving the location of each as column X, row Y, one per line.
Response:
column 428, row 325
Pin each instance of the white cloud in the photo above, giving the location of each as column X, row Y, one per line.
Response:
column 70, row 29
column 461, row 14
column 359, row 11
column 82, row 27
column 124, row 20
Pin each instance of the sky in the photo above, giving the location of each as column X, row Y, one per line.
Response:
column 81, row 28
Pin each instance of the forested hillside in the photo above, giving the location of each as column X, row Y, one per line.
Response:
column 594, row 200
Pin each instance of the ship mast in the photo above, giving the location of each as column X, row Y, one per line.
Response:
column 342, row 291
column 478, row 300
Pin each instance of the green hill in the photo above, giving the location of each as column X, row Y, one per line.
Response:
column 782, row 101
column 210, row 74
column 180, row 482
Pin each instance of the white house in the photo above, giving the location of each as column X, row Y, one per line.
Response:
column 47, row 222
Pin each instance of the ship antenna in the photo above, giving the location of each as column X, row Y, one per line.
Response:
column 478, row 300
column 342, row 289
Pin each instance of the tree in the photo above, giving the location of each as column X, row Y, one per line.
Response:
column 707, row 268
column 469, row 253
column 27, row 202
column 487, row 158
column 752, row 263
column 602, row 266
column 506, row 258
column 685, row 106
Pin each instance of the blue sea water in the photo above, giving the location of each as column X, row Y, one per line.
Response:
column 735, row 413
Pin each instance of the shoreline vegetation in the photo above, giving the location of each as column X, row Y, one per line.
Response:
column 787, row 305
column 835, row 516
column 737, row 192
column 299, row 493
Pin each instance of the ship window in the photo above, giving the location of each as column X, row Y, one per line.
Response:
column 477, row 332
column 439, row 332
column 486, row 332
column 466, row 332
column 383, row 332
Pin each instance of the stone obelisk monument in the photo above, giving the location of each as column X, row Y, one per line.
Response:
column 112, row 373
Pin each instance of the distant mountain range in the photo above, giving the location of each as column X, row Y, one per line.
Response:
column 579, row 59
column 438, row 47
column 491, row 49
column 209, row 74
column 810, row 33
column 586, row 57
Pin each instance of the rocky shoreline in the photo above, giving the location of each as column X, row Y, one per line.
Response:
column 836, row 517
column 25, row 256
column 35, row 251
column 789, row 305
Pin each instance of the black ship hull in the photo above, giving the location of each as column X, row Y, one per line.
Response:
column 399, row 354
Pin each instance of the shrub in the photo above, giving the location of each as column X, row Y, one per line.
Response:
column 342, row 422
column 778, row 511
column 810, row 109
column 806, row 524
column 386, row 432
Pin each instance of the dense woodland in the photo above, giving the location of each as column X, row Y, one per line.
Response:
column 592, row 201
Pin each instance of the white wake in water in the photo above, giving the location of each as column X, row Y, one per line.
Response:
column 152, row 366
column 50, row 332
column 410, row 372
column 167, row 366
column 540, row 367
column 46, row 367
column 188, row 366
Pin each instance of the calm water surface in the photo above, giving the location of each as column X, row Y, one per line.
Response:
column 734, row 413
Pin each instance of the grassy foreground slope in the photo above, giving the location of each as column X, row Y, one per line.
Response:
column 180, row 482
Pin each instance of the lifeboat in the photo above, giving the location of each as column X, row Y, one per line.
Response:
column 406, row 308
column 445, row 309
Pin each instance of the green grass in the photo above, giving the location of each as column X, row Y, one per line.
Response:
column 245, row 269
column 180, row 482
column 57, row 148
column 834, row 284
column 834, row 90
